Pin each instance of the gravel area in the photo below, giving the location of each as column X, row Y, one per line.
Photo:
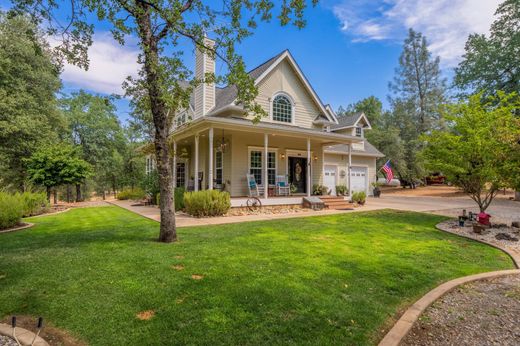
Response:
column 7, row 341
column 479, row 313
column 489, row 235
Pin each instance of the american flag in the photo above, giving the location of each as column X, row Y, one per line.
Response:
column 388, row 171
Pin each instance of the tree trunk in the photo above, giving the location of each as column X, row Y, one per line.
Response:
column 168, row 232
column 517, row 195
column 55, row 196
column 69, row 193
column 49, row 194
column 78, row 193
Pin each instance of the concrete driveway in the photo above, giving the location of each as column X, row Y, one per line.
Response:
column 502, row 209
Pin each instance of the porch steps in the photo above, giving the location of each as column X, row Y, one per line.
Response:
column 334, row 202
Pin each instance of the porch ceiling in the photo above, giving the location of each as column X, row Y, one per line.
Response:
column 202, row 125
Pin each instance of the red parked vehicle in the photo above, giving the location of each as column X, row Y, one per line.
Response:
column 436, row 179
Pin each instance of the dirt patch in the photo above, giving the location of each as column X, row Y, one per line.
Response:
column 197, row 277
column 54, row 336
column 479, row 313
column 178, row 267
column 179, row 257
column 145, row 315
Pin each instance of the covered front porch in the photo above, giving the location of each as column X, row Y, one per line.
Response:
column 219, row 154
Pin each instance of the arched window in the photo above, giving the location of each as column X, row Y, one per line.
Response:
column 282, row 109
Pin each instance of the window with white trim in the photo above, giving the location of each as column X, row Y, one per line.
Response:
column 256, row 167
column 219, row 165
column 180, row 174
column 271, row 167
column 282, row 109
column 359, row 131
column 181, row 119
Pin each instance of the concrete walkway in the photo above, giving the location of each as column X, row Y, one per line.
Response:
column 503, row 210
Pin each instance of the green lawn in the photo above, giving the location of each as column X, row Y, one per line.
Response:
column 320, row 280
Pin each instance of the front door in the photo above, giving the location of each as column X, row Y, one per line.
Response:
column 298, row 173
column 329, row 180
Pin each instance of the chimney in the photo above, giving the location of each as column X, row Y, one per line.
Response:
column 204, row 93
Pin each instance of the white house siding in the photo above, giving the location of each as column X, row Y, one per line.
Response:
column 241, row 142
column 284, row 79
column 361, row 161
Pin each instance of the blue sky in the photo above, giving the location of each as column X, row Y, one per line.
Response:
column 348, row 50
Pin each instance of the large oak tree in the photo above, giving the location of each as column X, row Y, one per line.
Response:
column 164, row 29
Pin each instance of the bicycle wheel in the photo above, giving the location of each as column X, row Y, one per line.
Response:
column 253, row 203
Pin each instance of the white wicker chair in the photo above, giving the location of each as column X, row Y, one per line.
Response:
column 254, row 189
column 282, row 186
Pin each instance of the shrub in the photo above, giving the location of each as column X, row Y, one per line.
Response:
column 341, row 190
column 34, row 203
column 359, row 197
column 207, row 203
column 179, row 198
column 319, row 190
column 11, row 210
column 134, row 194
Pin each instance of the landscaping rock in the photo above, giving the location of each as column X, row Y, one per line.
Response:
column 515, row 224
column 479, row 313
column 7, row 341
column 505, row 236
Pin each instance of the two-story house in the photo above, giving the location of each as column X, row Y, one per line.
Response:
column 301, row 139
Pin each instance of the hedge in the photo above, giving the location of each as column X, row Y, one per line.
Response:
column 15, row 206
column 133, row 194
column 207, row 203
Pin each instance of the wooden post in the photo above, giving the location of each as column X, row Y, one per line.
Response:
column 266, row 171
column 350, row 170
column 210, row 168
column 309, row 159
column 174, row 168
column 196, row 175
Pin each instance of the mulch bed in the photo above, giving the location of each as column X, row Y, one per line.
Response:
column 480, row 313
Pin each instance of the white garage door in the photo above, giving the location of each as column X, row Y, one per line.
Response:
column 359, row 179
column 330, row 180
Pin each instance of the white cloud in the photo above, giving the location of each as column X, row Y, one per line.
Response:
column 110, row 64
column 445, row 23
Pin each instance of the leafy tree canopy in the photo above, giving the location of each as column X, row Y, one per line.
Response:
column 479, row 151
column 29, row 81
column 492, row 62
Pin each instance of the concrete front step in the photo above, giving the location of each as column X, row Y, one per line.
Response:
column 334, row 202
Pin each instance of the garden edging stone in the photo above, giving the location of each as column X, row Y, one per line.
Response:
column 412, row 314
column 24, row 336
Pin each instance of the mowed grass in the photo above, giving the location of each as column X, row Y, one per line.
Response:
column 320, row 280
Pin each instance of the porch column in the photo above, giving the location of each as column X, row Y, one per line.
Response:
column 349, row 170
column 210, row 169
column 174, row 169
column 309, row 167
column 196, row 175
column 266, row 175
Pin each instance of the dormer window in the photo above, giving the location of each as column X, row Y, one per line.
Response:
column 181, row 119
column 282, row 109
column 359, row 131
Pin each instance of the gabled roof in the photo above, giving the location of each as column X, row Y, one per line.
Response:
column 227, row 96
column 370, row 150
column 352, row 120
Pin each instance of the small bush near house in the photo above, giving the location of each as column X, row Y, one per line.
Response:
column 359, row 197
column 11, row 210
column 341, row 190
column 319, row 190
column 34, row 203
column 207, row 203
column 133, row 194
column 179, row 198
